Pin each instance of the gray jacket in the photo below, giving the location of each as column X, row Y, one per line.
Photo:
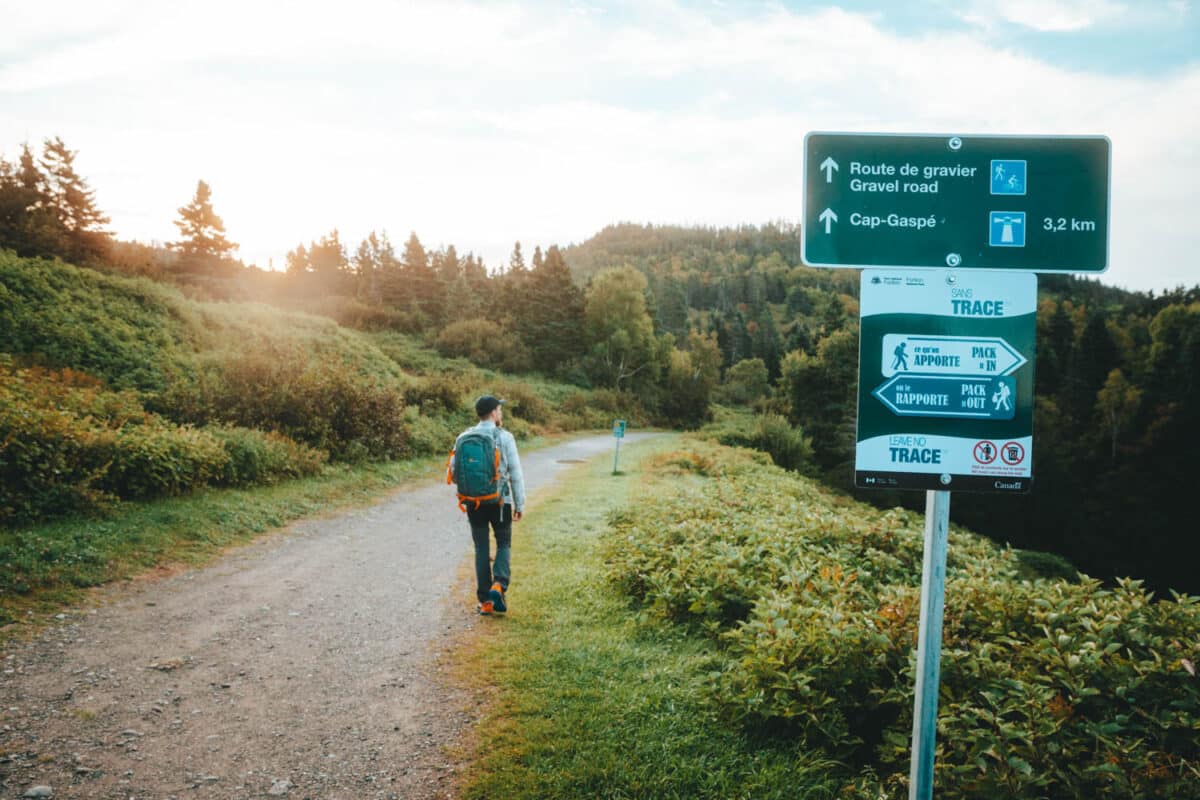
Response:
column 512, row 481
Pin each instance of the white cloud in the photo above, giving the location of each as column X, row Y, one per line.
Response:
column 479, row 125
column 1047, row 16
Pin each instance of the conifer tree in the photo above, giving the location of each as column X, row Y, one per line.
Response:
column 328, row 256
column 71, row 198
column 549, row 314
column 297, row 261
column 516, row 261
column 203, row 246
column 420, row 289
column 50, row 210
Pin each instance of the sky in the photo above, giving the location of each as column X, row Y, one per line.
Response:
column 479, row 124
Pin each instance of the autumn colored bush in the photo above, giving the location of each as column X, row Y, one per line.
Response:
column 69, row 445
column 485, row 343
column 317, row 403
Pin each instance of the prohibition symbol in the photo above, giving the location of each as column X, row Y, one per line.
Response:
column 985, row 452
column 1012, row 453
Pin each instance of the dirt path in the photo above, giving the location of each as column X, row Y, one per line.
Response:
column 302, row 666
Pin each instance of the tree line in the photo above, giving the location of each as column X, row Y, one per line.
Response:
column 522, row 316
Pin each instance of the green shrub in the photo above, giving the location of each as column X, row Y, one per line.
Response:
column 597, row 408
column 161, row 459
column 521, row 401
column 313, row 402
column 446, row 393
column 257, row 457
column 1050, row 688
column 771, row 433
column 484, row 343
column 746, row 382
column 430, row 435
column 68, row 445
column 51, row 463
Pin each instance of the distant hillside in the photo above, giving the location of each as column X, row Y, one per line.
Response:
column 1117, row 383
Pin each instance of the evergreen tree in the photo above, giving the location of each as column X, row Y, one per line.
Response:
column 673, row 309
column 297, row 261
column 449, row 267
column 425, row 293
column 368, row 263
column 328, row 256
column 548, row 315
column 516, row 261
column 27, row 223
column 51, row 212
column 1094, row 356
column 766, row 342
column 74, row 204
column 203, row 247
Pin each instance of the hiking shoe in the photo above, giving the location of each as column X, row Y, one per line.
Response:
column 485, row 609
column 497, row 595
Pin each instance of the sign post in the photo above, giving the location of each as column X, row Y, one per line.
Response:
column 945, row 401
column 929, row 645
column 618, row 434
column 956, row 226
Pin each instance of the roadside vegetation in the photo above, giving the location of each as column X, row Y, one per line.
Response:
column 585, row 699
column 725, row 613
column 123, row 401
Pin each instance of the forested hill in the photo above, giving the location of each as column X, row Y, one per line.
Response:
column 1118, row 387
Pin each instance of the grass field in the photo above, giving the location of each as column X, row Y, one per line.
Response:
column 586, row 700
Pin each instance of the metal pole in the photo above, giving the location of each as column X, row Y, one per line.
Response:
column 929, row 644
column 616, row 455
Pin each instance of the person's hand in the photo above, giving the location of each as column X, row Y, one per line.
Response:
column 517, row 515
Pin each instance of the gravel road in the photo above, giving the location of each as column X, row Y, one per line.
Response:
column 304, row 665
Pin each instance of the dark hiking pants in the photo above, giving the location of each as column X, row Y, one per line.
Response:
column 500, row 520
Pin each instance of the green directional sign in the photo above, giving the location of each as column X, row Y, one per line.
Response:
column 944, row 396
column 619, row 428
column 1036, row 203
column 945, row 384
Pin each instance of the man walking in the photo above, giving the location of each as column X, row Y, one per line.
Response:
column 492, row 581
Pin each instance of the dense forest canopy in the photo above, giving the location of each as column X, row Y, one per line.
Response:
column 679, row 317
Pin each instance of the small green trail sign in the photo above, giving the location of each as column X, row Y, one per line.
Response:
column 945, row 398
column 1037, row 203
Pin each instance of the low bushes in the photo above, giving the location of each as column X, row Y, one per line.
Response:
column 485, row 343
column 1050, row 688
column 68, row 445
column 771, row 433
column 315, row 402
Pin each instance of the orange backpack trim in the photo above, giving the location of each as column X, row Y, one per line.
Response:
column 463, row 499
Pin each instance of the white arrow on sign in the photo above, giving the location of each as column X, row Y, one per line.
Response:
column 829, row 166
column 948, row 355
column 828, row 217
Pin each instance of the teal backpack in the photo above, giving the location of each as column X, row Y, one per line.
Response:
column 474, row 464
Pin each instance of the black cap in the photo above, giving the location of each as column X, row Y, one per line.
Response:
column 487, row 404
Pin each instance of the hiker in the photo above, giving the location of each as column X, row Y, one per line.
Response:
column 497, row 499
